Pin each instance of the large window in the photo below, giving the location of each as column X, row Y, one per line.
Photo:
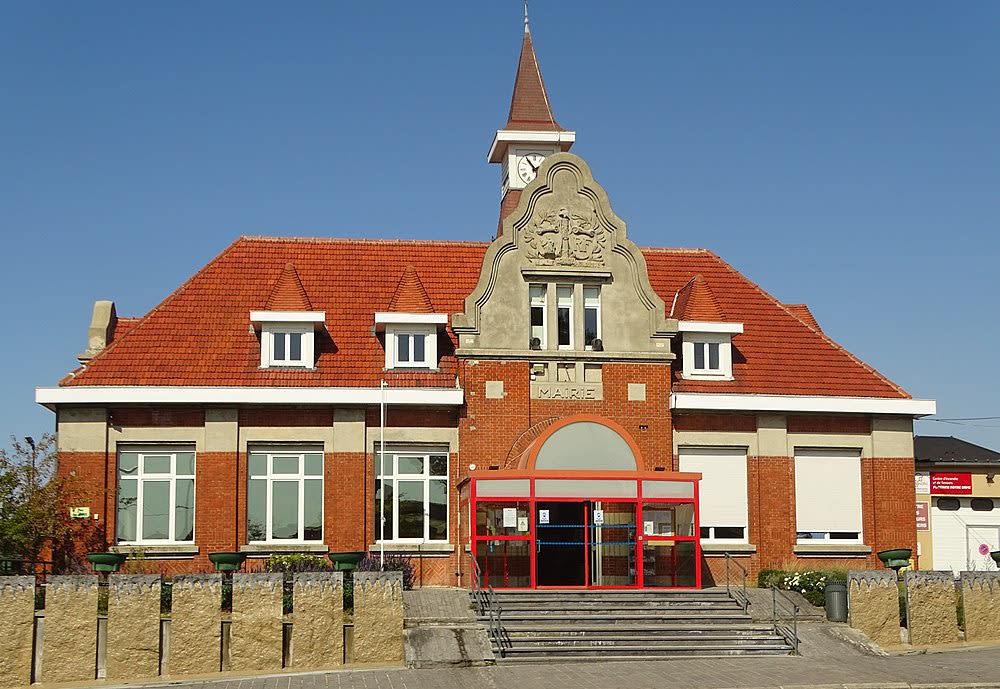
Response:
column 285, row 495
column 828, row 495
column 722, row 491
column 155, row 495
column 537, row 296
column 415, row 485
column 564, row 315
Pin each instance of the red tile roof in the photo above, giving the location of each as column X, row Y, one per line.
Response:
column 288, row 294
column 410, row 295
column 199, row 335
column 695, row 302
column 803, row 313
column 530, row 109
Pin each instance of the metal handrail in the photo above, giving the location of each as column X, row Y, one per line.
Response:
column 737, row 594
column 486, row 601
column 791, row 634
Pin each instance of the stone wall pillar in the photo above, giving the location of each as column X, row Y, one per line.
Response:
column 195, row 624
column 17, row 610
column 930, row 608
column 378, row 617
column 133, row 626
column 981, row 605
column 873, row 601
column 318, row 631
column 257, row 620
column 69, row 644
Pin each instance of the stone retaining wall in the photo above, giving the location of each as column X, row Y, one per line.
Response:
column 981, row 605
column 133, row 640
column 17, row 610
column 378, row 617
column 930, row 608
column 69, row 650
column 256, row 632
column 195, row 624
column 873, row 602
column 318, row 632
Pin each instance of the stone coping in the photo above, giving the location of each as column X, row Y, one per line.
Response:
column 154, row 551
column 266, row 549
column 414, row 548
column 720, row 549
column 832, row 549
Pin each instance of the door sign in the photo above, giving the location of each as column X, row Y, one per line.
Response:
column 599, row 517
column 522, row 523
column 509, row 517
column 543, row 516
column 922, row 521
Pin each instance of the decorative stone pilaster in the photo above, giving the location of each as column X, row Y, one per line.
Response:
column 17, row 610
column 930, row 608
column 256, row 631
column 378, row 617
column 318, row 631
column 69, row 644
column 133, row 626
column 981, row 605
column 873, row 601
column 195, row 624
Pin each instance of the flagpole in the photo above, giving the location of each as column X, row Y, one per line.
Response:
column 381, row 473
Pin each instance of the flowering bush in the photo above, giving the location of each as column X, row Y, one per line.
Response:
column 810, row 583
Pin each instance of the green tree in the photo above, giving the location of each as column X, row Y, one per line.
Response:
column 34, row 514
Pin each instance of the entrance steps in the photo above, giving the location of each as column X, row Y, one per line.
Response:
column 622, row 625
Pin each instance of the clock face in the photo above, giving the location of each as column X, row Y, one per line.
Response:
column 527, row 166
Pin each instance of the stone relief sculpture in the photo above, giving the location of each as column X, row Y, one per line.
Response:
column 567, row 235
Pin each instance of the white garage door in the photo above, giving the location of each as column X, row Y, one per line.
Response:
column 965, row 531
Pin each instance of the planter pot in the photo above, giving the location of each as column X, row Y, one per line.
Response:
column 346, row 562
column 227, row 562
column 896, row 558
column 106, row 562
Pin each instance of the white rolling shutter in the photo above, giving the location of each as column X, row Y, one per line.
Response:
column 722, row 492
column 828, row 491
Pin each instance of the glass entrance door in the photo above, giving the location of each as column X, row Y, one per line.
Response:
column 560, row 544
column 612, row 544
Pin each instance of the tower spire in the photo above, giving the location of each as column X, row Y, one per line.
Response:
column 527, row 29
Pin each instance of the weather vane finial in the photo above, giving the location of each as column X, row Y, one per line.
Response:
column 526, row 29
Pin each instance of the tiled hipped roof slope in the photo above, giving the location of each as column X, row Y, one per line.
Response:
column 200, row 335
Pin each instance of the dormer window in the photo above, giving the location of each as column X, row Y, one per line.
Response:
column 410, row 338
column 288, row 338
column 707, row 349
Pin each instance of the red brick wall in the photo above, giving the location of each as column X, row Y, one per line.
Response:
column 412, row 417
column 809, row 423
column 716, row 422
column 771, row 503
column 145, row 417
column 285, row 416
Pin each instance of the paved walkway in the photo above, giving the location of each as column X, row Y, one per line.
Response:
column 954, row 668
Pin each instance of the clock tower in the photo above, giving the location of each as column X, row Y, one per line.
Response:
column 531, row 133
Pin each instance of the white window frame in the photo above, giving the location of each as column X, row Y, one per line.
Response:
column 841, row 458
column 428, row 332
column 425, row 452
column 542, row 303
column 141, row 476
column 570, row 305
column 692, row 340
column 597, row 308
column 268, row 333
column 697, row 457
column 269, row 477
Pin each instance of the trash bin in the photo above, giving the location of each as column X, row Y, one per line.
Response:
column 836, row 601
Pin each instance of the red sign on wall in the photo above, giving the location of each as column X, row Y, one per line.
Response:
column 922, row 522
column 951, row 483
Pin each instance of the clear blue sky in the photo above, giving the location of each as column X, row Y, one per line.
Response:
column 846, row 154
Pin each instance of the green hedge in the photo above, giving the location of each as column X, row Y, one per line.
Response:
column 810, row 583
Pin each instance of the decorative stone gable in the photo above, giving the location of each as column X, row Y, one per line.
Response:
column 564, row 232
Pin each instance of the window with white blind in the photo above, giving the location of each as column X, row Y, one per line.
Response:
column 155, row 495
column 722, row 493
column 828, row 495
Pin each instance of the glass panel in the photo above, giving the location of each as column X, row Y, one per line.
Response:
column 699, row 355
column 185, row 464
column 503, row 488
column 257, row 511
column 667, row 489
column 490, row 518
column 668, row 563
column 504, row 564
column 155, row 510
column 184, row 510
column 128, row 462
column 156, row 464
column 583, row 488
column 537, row 295
column 589, row 326
column 258, row 465
column 285, row 464
column 402, row 347
column 411, row 509
column 612, row 545
column 564, row 326
column 734, row 532
column 387, row 465
column 285, row 509
column 410, row 464
column 295, row 348
column 437, row 521
column 279, row 346
column 713, row 355
column 439, row 465
column 127, row 509
column 314, row 464
column 418, row 348
column 388, row 509
column 312, row 527
column 658, row 519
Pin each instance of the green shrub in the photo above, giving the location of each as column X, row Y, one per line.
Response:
column 810, row 583
column 296, row 562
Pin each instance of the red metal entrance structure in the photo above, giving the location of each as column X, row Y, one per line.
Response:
column 577, row 513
